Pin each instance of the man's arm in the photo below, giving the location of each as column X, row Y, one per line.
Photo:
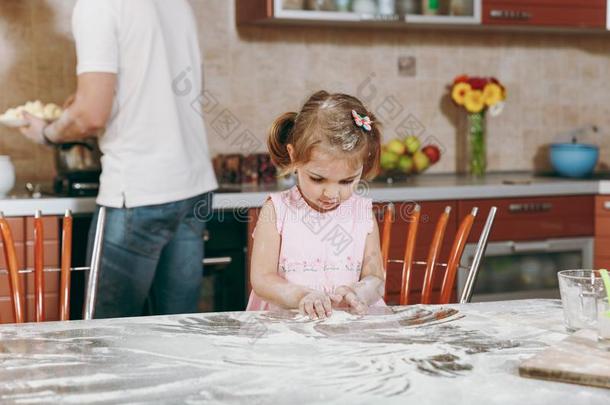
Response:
column 88, row 114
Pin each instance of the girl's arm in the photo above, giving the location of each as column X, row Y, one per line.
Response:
column 266, row 283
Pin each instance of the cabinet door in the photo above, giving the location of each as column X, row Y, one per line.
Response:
column 534, row 218
column 546, row 13
column 602, row 232
column 431, row 211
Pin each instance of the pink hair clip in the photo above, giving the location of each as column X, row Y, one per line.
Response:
column 362, row 122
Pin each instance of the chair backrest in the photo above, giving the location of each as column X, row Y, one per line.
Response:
column 432, row 264
column 12, row 263
column 17, row 296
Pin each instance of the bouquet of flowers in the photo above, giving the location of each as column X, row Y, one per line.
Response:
column 478, row 95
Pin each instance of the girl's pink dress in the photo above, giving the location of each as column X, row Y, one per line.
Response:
column 321, row 251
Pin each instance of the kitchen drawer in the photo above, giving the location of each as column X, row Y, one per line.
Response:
column 545, row 13
column 533, row 218
column 602, row 206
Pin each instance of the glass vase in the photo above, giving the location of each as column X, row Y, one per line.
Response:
column 477, row 159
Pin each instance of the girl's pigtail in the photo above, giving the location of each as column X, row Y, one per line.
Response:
column 279, row 136
column 371, row 164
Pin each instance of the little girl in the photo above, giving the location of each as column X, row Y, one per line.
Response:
column 316, row 245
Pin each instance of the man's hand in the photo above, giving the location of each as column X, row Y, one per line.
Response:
column 34, row 128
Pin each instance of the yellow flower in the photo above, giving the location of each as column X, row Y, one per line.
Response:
column 459, row 91
column 474, row 101
column 492, row 94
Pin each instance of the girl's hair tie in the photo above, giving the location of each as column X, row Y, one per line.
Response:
column 363, row 122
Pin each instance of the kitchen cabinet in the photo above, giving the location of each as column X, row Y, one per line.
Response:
column 602, row 232
column 534, row 218
column 23, row 234
column 527, row 15
column 279, row 12
column 569, row 14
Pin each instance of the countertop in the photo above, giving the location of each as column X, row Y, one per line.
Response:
column 465, row 354
column 418, row 188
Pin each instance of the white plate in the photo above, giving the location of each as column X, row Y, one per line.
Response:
column 13, row 122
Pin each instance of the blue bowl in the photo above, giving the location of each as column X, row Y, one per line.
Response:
column 574, row 159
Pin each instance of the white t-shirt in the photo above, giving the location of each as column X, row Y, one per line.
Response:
column 155, row 146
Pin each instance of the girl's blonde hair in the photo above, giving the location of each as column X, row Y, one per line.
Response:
column 326, row 120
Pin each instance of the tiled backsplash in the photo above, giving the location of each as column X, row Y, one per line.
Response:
column 555, row 82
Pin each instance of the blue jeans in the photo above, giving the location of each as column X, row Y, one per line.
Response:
column 151, row 258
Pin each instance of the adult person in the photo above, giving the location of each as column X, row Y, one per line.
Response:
column 157, row 176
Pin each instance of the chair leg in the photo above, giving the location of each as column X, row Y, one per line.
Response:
column 408, row 259
column 66, row 261
column 388, row 220
column 478, row 255
column 435, row 248
column 90, row 295
column 13, row 269
column 38, row 267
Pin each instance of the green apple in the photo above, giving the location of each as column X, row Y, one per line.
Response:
column 405, row 164
column 412, row 143
column 396, row 146
column 388, row 160
column 420, row 161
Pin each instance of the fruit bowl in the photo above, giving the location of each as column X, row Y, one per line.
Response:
column 404, row 157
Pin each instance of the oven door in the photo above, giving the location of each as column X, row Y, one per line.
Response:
column 521, row 270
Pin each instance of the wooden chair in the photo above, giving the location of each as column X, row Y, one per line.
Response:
column 17, row 295
column 432, row 263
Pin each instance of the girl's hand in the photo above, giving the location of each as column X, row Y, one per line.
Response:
column 350, row 297
column 317, row 304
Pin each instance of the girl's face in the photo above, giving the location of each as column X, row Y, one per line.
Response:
column 326, row 181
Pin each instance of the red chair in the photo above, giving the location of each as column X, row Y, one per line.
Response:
column 432, row 264
column 17, row 295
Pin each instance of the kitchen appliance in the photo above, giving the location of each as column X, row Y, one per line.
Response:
column 76, row 157
column 77, row 184
column 78, row 167
column 7, row 175
column 520, row 270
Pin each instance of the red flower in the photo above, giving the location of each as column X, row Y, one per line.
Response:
column 477, row 83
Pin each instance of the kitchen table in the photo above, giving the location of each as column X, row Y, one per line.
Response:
column 418, row 354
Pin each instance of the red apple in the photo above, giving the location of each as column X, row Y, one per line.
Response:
column 433, row 153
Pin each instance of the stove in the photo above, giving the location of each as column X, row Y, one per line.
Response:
column 77, row 184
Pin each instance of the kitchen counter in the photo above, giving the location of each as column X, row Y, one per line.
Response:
column 419, row 354
column 418, row 188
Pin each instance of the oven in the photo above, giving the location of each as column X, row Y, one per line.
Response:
column 525, row 269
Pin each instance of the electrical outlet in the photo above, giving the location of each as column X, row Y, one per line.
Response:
column 407, row 66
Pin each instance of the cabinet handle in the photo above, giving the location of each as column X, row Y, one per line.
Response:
column 529, row 207
column 206, row 235
column 510, row 15
column 607, row 205
column 216, row 261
